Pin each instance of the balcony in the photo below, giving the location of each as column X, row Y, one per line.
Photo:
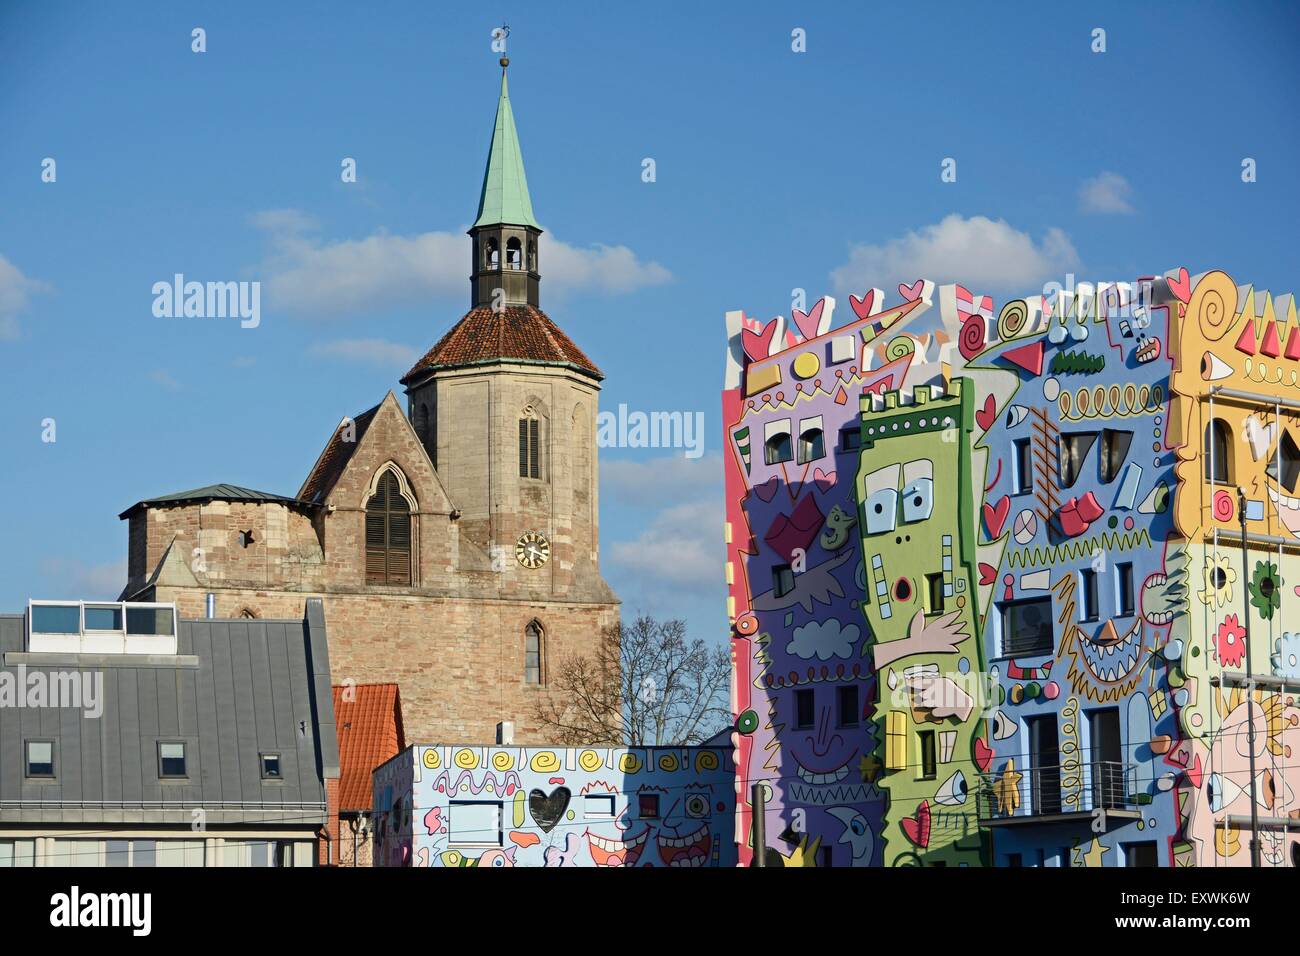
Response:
column 1058, row 794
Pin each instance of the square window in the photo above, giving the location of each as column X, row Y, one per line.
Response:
column 117, row 853
column 850, row 438
column 474, row 822
column 40, row 758
column 144, row 853
column 598, row 806
column 647, row 806
column 804, row 711
column 171, row 759
column 271, row 767
column 1027, row 627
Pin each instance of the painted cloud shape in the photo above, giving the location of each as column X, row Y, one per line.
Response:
column 823, row 640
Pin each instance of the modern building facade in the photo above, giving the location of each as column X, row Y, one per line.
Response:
column 467, row 806
column 454, row 544
column 131, row 738
column 1049, row 600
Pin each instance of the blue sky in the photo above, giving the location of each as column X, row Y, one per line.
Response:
column 775, row 170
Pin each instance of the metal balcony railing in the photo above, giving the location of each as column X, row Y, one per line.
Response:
column 1037, row 792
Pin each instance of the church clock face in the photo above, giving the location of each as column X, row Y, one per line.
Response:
column 532, row 550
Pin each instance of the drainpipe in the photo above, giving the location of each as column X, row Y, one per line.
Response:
column 210, row 606
column 1250, row 684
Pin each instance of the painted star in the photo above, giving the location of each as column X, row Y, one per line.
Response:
column 1007, row 789
column 1092, row 856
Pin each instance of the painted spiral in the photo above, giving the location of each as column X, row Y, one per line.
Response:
column 1013, row 319
column 970, row 342
column 1214, row 305
column 899, row 347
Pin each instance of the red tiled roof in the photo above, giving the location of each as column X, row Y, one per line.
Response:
column 370, row 732
column 332, row 461
column 518, row 332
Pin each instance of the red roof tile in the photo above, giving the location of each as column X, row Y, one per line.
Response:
column 518, row 332
column 370, row 732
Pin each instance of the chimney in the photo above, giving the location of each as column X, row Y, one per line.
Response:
column 210, row 605
column 505, row 733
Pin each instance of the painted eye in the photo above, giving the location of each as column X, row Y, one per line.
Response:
column 1220, row 791
column 858, row 826
column 1003, row 726
column 1214, row 368
column 696, row 806
column 918, row 500
column 953, row 791
column 1015, row 415
column 881, row 510
column 747, row 722
column 498, row 862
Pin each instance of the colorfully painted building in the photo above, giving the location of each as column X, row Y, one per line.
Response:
column 523, row 806
column 1031, row 591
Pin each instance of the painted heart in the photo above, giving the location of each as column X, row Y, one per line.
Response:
column 767, row 490
column 995, row 516
column 823, row 480
column 984, row 416
column 917, row 828
column 865, row 306
column 988, row 573
column 983, row 755
column 912, row 292
column 547, row 810
column 758, row 345
column 810, row 324
column 1182, row 286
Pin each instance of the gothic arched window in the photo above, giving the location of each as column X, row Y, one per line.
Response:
column 530, row 445
column 1218, row 454
column 388, row 534
column 534, row 647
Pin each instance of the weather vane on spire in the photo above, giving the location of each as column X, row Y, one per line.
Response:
column 499, row 35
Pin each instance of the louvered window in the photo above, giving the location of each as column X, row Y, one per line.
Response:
column 388, row 534
column 530, row 448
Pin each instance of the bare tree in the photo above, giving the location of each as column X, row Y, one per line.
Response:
column 646, row 685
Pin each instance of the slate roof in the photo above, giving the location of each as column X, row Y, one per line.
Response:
column 517, row 333
column 329, row 466
column 370, row 733
column 236, row 689
column 210, row 493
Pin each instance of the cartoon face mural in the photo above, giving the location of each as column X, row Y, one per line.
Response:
column 516, row 806
column 1039, row 594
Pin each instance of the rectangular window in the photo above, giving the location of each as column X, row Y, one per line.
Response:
column 106, row 617
column 150, row 621
column 74, row 853
column 171, row 759
column 1023, row 466
column 647, row 806
column 474, row 822
column 782, row 580
column 271, row 767
column 1114, row 449
column 144, row 853
column 17, row 853
column 1027, row 627
column 598, row 806
column 56, row 619
column 934, row 591
column 1124, row 589
column 40, row 758
column 929, row 763
column 179, row 853
column 851, row 438
column 117, row 853
column 804, row 711
column 847, row 699
column 530, row 455
column 1140, row 854
column 1072, row 449
column 895, row 740
column 1088, row 595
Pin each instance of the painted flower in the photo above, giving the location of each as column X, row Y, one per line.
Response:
column 1230, row 644
column 1220, row 576
column 1266, row 589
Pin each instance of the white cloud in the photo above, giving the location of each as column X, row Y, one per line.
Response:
column 16, row 291
column 980, row 253
column 682, row 547
column 305, row 273
column 659, row 481
column 1106, row 194
column 70, row 578
column 367, row 351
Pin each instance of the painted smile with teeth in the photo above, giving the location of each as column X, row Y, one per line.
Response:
column 689, row 850
column 1154, row 584
column 617, row 852
column 1114, row 660
column 815, row 774
column 1288, row 508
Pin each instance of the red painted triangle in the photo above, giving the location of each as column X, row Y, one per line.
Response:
column 1029, row 357
column 1246, row 341
column 1293, row 345
column 1271, row 346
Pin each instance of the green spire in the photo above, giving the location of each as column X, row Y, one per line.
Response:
column 505, row 197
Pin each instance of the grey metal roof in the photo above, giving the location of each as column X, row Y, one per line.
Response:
column 236, row 689
column 220, row 492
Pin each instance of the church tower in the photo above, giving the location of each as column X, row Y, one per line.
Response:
column 505, row 405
